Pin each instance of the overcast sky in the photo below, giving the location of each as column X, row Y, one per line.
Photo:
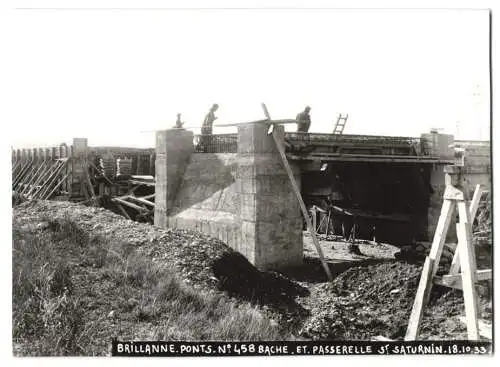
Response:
column 111, row 76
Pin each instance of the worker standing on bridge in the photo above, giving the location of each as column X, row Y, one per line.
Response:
column 178, row 123
column 304, row 120
column 207, row 127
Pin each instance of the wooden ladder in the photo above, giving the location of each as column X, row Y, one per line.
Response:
column 464, row 257
column 340, row 124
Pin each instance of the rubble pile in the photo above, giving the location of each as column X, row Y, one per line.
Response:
column 367, row 301
column 360, row 303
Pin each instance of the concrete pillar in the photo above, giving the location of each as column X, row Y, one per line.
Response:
column 173, row 150
column 269, row 212
column 152, row 165
column 80, row 146
column 76, row 169
column 63, row 151
column 438, row 145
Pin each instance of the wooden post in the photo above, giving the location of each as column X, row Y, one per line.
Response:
column 432, row 263
column 299, row 196
column 476, row 199
column 313, row 215
column 468, row 274
column 453, row 196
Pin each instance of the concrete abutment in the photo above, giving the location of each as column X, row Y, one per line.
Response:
column 251, row 206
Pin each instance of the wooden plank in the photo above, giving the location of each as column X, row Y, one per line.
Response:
column 100, row 173
column 299, row 197
column 136, row 182
column 46, row 186
column 22, row 174
column 142, row 201
column 474, row 205
column 455, row 280
column 40, row 175
column 468, row 277
column 31, row 178
column 452, row 193
column 126, row 203
column 441, row 231
column 313, row 215
column 485, row 329
column 278, row 122
column 55, row 187
column 417, row 311
column 381, row 338
column 86, row 175
column 476, row 199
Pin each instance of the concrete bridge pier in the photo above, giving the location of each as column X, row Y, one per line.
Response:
column 173, row 150
column 271, row 223
column 266, row 226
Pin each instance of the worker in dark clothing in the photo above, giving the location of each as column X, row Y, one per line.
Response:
column 179, row 123
column 304, row 120
column 207, row 128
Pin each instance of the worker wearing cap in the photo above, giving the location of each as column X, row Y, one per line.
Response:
column 304, row 120
column 207, row 127
column 210, row 118
column 178, row 123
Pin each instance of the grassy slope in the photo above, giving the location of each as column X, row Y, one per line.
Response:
column 74, row 291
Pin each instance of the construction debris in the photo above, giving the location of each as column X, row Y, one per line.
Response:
column 360, row 303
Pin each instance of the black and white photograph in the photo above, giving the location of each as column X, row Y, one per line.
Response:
column 239, row 180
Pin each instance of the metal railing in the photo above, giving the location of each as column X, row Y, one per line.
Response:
column 390, row 141
column 220, row 143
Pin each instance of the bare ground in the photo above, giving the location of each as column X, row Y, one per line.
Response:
column 372, row 293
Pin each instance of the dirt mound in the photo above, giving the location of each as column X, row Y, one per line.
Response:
column 201, row 261
column 17, row 199
column 374, row 300
column 272, row 290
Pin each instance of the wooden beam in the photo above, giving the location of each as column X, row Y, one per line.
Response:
column 100, row 173
column 474, row 205
column 50, row 180
column 485, row 330
column 418, row 305
column 40, row 175
column 136, row 182
column 54, row 189
column 274, row 122
column 466, row 250
column 44, row 176
column 429, row 271
column 140, row 200
column 455, row 280
column 126, row 203
column 86, row 175
column 296, row 190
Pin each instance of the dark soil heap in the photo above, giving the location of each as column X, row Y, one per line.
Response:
column 367, row 301
column 361, row 302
